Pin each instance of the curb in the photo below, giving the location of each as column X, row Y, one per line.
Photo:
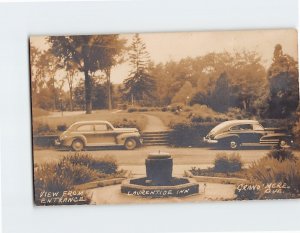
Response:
column 213, row 179
column 103, row 183
column 99, row 183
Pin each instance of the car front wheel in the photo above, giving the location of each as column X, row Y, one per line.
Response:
column 283, row 143
column 130, row 144
column 77, row 145
column 233, row 144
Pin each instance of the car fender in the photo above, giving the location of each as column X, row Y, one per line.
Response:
column 122, row 137
column 276, row 136
column 68, row 142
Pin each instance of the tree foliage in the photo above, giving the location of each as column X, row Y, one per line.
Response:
column 90, row 54
column 283, row 85
column 139, row 85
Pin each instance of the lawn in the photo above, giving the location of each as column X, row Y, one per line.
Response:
column 51, row 122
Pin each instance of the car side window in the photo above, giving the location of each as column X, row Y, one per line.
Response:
column 242, row 127
column 85, row 128
column 258, row 127
column 101, row 127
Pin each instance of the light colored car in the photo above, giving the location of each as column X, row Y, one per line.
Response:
column 236, row 133
column 98, row 133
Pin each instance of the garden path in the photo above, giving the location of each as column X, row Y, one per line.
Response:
column 154, row 124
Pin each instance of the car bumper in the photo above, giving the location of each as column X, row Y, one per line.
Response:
column 57, row 142
column 141, row 141
column 210, row 141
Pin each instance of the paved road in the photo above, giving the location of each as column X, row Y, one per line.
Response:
column 182, row 156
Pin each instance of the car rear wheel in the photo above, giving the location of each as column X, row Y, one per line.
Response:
column 130, row 144
column 77, row 145
column 233, row 144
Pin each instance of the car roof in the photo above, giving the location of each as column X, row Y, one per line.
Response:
column 238, row 122
column 88, row 122
column 227, row 124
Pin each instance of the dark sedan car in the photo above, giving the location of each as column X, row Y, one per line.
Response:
column 236, row 133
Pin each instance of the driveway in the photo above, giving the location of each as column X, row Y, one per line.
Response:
column 181, row 156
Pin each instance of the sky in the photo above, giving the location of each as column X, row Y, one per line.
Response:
column 164, row 47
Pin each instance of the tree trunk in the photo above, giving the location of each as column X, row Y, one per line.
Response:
column 88, row 92
column 108, row 89
column 71, row 99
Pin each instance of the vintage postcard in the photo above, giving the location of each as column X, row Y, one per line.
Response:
column 165, row 117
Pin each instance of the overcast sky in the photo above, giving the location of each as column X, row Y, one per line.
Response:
column 164, row 47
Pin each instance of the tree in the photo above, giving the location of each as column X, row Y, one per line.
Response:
column 221, row 94
column 71, row 71
column 184, row 94
column 283, row 85
column 139, row 86
column 90, row 54
column 44, row 84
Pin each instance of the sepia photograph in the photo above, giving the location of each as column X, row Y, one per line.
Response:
column 165, row 117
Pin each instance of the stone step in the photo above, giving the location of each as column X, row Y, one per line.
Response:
column 155, row 141
column 156, row 133
column 156, row 144
column 158, row 137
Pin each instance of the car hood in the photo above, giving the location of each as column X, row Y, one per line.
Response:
column 126, row 130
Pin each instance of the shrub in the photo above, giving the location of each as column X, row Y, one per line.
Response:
column 248, row 194
column 237, row 113
column 132, row 109
column 227, row 163
column 143, row 110
column 46, row 178
column 272, row 171
column 296, row 132
column 62, row 127
column 164, row 109
column 125, row 123
column 281, row 154
column 40, row 128
column 106, row 165
column 59, row 178
column 189, row 133
column 79, row 174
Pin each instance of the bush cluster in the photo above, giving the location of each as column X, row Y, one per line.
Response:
column 281, row 154
column 272, row 169
column 62, row 127
column 189, row 133
column 40, row 128
column 227, row 163
column 132, row 110
column 126, row 123
column 106, row 165
column 70, row 171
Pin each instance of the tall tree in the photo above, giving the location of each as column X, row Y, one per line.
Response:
column 90, row 54
column 283, row 84
column 140, row 84
column 71, row 71
column 220, row 96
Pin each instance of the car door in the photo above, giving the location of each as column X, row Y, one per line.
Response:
column 258, row 132
column 104, row 135
column 245, row 133
column 87, row 131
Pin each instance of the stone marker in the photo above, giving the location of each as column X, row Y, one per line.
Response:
column 159, row 181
